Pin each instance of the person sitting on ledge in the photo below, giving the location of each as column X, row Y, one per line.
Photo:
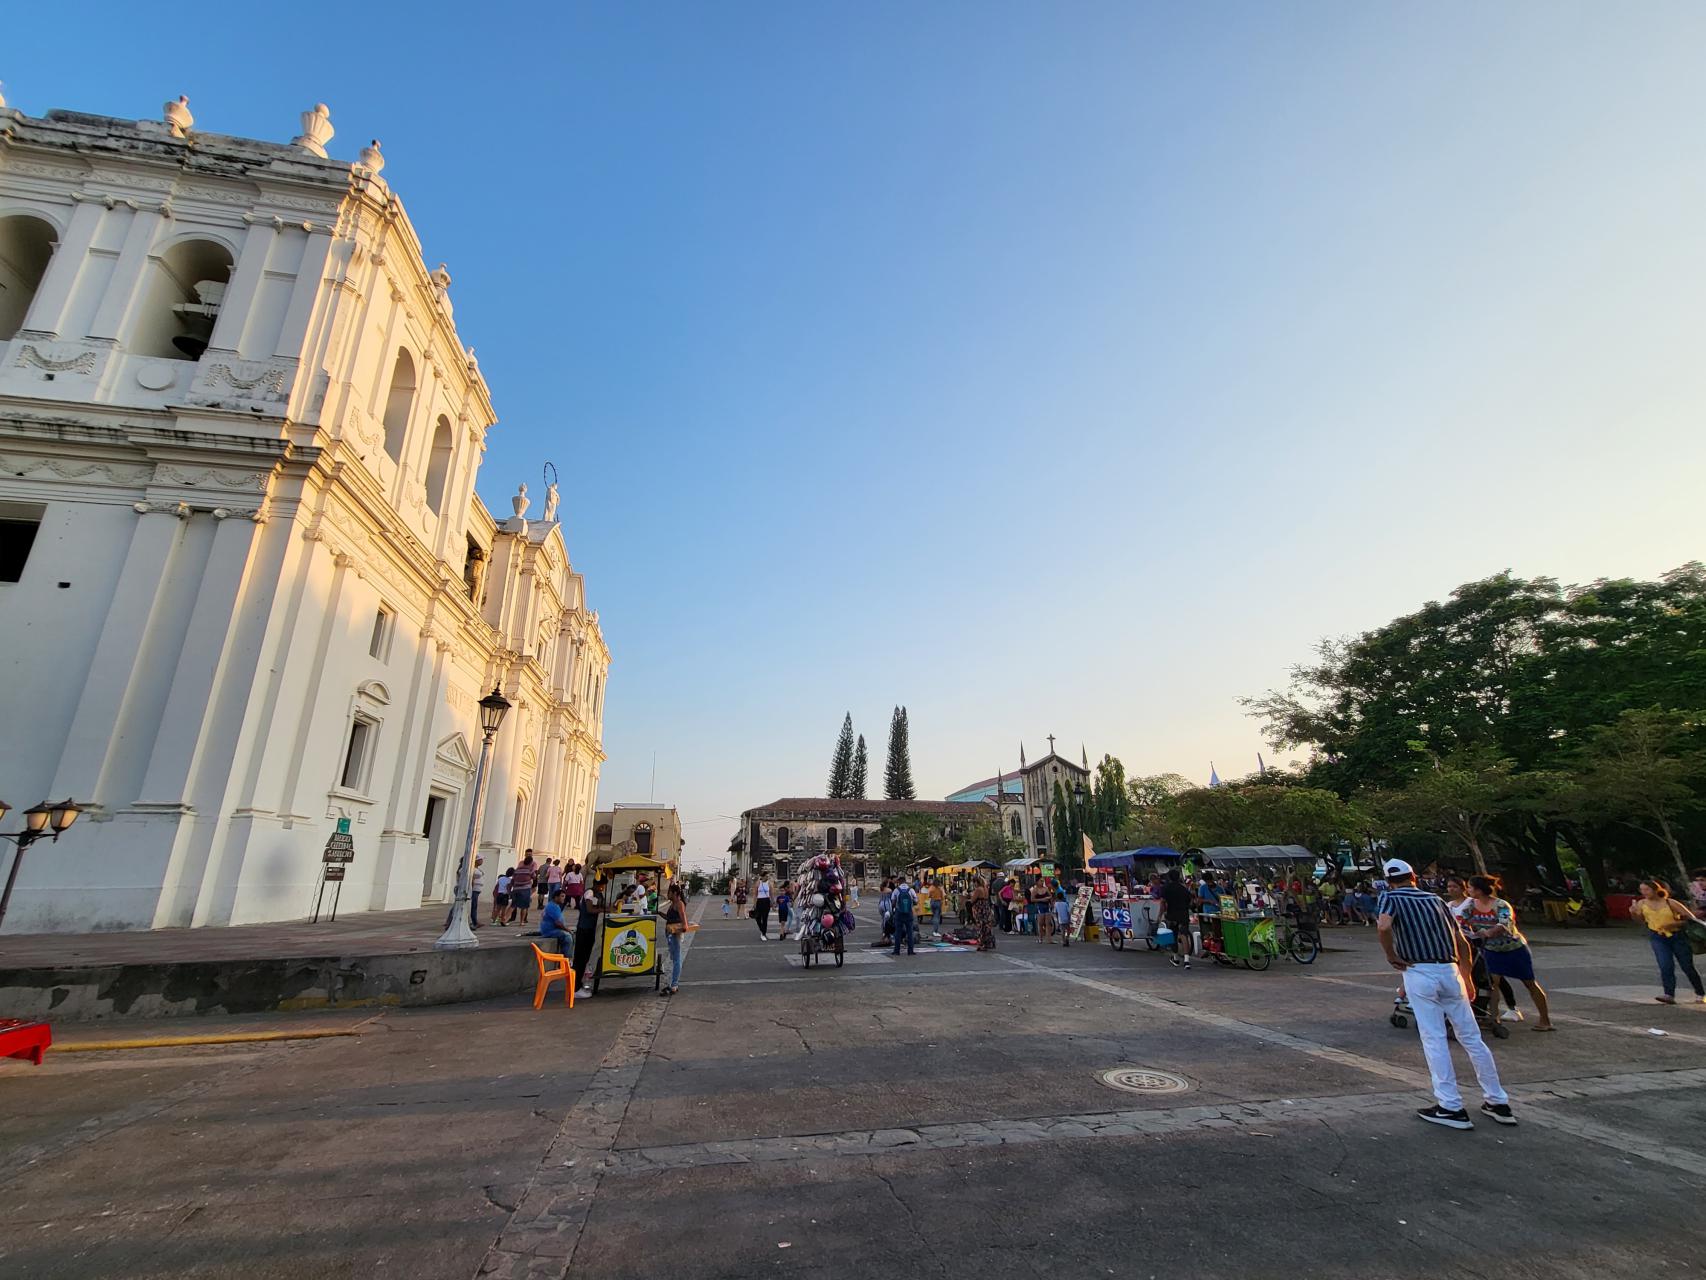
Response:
column 551, row 924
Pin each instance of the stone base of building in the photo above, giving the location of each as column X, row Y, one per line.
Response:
column 274, row 969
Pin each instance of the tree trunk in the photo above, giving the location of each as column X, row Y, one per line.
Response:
column 1675, row 852
column 1475, row 852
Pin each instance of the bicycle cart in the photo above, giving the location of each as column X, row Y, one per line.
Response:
column 1127, row 913
column 628, row 939
column 815, row 944
column 1130, row 921
column 1231, row 939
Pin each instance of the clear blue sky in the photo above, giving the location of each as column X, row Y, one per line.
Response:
column 1058, row 368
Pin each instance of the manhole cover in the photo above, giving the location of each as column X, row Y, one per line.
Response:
column 1143, row 1080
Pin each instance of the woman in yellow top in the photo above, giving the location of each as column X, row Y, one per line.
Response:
column 1664, row 917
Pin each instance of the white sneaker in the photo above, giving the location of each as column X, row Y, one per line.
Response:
column 585, row 993
column 1511, row 1015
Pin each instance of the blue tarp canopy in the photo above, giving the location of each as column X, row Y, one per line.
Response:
column 1129, row 858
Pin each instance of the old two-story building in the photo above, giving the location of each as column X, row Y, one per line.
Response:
column 651, row 830
column 774, row 838
column 247, row 591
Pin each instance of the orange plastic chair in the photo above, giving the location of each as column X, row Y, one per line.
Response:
column 552, row 967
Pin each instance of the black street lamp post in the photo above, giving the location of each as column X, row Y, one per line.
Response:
column 458, row 934
column 40, row 820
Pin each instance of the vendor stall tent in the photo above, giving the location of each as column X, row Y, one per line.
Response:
column 1260, row 855
column 1128, row 859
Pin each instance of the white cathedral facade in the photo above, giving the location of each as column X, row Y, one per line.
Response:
column 246, row 588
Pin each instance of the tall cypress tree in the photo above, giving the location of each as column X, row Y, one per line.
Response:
column 841, row 763
column 897, row 774
column 856, row 781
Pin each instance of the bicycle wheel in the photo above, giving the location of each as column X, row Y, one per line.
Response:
column 1305, row 947
column 1117, row 938
column 1260, row 957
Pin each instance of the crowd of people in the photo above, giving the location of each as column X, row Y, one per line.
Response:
column 514, row 894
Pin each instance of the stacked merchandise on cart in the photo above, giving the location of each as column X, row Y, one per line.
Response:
column 820, row 896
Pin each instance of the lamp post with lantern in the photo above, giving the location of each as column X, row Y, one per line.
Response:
column 457, row 934
column 44, row 819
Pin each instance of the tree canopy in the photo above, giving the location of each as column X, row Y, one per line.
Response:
column 1515, row 715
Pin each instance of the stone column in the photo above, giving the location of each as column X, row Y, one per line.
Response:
column 53, row 296
column 128, row 277
column 240, row 293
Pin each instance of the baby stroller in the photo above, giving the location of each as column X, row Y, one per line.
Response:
column 1479, row 1001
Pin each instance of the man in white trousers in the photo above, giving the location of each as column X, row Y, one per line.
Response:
column 1423, row 942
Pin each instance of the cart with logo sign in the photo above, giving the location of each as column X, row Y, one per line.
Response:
column 627, row 940
column 627, row 948
column 1128, row 913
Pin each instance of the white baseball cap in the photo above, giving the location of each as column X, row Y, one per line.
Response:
column 1398, row 867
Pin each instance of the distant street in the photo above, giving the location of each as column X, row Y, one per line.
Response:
column 935, row 1115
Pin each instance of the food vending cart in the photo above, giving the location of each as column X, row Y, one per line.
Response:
column 628, row 939
column 1127, row 910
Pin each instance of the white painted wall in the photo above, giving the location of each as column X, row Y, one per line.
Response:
column 228, row 527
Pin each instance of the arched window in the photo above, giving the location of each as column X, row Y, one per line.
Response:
column 1018, row 828
column 602, row 835
column 186, row 288
column 438, row 465
column 1042, row 835
column 25, row 246
column 830, row 843
column 858, row 838
column 398, row 402
column 643, row 839
column 782, row 839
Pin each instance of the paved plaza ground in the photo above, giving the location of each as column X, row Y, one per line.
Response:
column 934, row 1116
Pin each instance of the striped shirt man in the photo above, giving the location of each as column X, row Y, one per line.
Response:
column 1423, row 929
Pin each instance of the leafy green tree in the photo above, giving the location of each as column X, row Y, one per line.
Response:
column 856, row 776
column 906, row 839
column 897, row 775
column 1156, row 790
column 696, row 882
column 1463, row 794
column 1521, row 671
column 986, row 840
column 1641, row 770
column 841, row 763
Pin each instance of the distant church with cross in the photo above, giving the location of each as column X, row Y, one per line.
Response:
column 1025, row 798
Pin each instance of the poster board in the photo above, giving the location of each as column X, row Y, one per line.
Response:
column 630, row 946
column 1080, row 911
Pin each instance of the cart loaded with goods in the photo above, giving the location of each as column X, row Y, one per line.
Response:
column 820, row 893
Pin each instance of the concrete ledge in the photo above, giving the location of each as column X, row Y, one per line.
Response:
column 87, row 993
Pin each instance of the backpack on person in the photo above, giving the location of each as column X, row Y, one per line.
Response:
column 902, row 902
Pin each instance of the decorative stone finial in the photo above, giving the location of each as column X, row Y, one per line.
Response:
column 2, row 95
column 519, row 502
column 371, row 159
column 316, row 132
column 178, row 117
column 440, row 278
